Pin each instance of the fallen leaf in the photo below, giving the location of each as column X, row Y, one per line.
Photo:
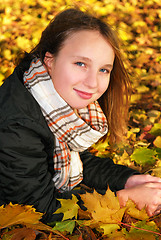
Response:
column 109, row 228
column 20, row 233
column 105, row 209
column 16, row 214
column 134, row 212
column 157, row 142
column 65, row 226
column 144, row 156
column 156, row 129
column 69, row 208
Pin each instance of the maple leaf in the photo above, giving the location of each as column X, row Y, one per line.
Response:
column 109, row 228
column 69, row 208
column 144, row 156
column 142, row 231
column 65, row 226
column 16, row 214
column 20, row 233
column 156, row 129
column 157, row 142
column 134, row 212
column 156, row 171
column 104, row 208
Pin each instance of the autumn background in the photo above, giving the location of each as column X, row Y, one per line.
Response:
column 138, row 24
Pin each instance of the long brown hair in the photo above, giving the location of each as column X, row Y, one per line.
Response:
column 114, row 102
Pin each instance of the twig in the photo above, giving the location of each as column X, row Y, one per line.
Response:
column 125, row 224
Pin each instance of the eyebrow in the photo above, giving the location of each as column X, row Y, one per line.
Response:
column 89, row 60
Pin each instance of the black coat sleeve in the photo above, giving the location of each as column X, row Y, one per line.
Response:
column 24, row 171
column 26, row 152
column 99, row 173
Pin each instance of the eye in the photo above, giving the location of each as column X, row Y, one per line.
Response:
column 80, row 64
column 104, row 70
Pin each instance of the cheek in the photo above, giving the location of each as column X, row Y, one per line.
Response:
column 104, row 85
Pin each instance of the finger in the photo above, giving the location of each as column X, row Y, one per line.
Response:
column 156, row 212
column 158, row 208
column 156, row 185
column 155, row 179
column 149, row 178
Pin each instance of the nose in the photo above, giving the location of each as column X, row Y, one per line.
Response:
column 91, row 80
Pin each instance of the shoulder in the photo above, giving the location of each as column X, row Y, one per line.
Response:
column 17, row 105
column 15, row 99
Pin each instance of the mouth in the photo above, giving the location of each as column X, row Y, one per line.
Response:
column 83, row 95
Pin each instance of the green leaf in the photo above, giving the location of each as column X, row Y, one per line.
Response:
column 68, row 207
column 142, row 231
column 156, row 129
column 143, row 156
column 151, row 226
column 158, row 151
column 65, row 226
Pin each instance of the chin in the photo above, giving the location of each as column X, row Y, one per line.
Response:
column 79, row 106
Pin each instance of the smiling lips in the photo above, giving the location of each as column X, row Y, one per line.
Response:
column 83, row 95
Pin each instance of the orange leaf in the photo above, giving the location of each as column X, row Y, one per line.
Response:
column 17, row 214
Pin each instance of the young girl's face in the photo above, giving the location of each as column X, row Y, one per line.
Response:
column 81, row 70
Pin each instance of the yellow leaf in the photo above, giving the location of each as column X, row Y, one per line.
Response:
column 1, row 78
column 157, row 142
column 110, row 200
column 68, row 207
column 105, row 209
column 16, row 214
column 107, row 215
column 109, row 228
column 7, row 54
column 135, row 98
column 157, row 170
column 134, row 212
column 23, row 43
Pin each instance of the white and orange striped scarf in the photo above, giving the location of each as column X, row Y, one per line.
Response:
column 74, row 133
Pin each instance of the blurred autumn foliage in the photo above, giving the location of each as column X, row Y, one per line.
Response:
column 138, row 24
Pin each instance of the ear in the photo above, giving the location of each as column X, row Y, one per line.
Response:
column 48, row 60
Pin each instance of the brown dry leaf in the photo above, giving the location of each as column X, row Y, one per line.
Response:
column 17, row 214
column 157, row 220
column 39, row 226
column 42, row 227
column 20, row 233
column 141, row 236
column 84, row 214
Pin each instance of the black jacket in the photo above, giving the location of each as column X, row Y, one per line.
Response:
column 26, row 149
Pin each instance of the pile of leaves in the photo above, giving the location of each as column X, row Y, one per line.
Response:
column 138, row 23
column 103, row 219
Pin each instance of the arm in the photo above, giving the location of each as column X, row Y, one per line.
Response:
column 25, row 178
column 101, row 172
column 144, row 190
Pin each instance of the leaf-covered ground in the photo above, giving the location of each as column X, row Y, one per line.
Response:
column 138, row 23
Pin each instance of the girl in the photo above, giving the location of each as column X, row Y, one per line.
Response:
column 65, row 95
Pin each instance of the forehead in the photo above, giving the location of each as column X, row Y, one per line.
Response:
column 88, row 43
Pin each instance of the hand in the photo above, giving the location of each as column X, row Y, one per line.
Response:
column 146, row 195
column 140, row 179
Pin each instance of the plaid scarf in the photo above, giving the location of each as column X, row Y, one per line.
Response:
column 74, row 132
